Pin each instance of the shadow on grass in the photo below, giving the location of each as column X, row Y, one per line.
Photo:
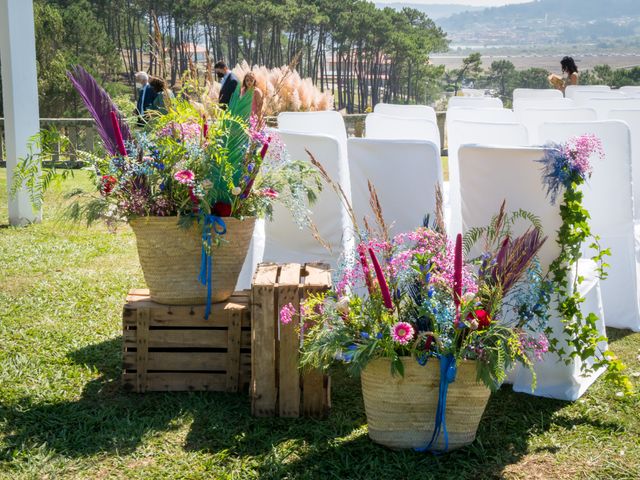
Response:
column 615, row 334
column 106, row 419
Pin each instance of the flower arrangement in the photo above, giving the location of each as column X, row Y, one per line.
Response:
column 182, row 164
column 194, row 167
column 566, row 168
column 413, row 295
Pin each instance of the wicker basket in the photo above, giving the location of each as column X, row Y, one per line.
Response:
column 401, row 411
column 170, row 257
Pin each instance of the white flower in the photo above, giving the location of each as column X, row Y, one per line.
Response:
column 236, row 191
column 342, row 306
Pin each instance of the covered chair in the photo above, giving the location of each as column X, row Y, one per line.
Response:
column 605, row 105
column 475, row 102
column 532, row 118
column 405, row 174
column 480, row 114
column 386, row 127
column 460, row 133
column 323, row 123
column 406, row 111
column 631, row 90
column 491, row 175
column 522, row 103
column 608, row 198
column 536, row 93
column 572, row 89
column 632, row 118
column 585, row 97
column 285, row 240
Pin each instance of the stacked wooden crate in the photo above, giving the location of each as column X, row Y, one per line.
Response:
column 173, row 348
column 278, row 387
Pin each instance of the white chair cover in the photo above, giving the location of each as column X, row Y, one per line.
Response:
column 608, row 198
column 630, row 90
column 632, row 119
column 318, row 123
column 475, row 102
column 285, row 241
column 490, row 175
column 254, row 256
column 409, row 179
column 480, row 115
column 406, row 111
column 571, row 89
column 460, row 133
column 586, row 97
column 522, row 103
column 386, row 127
column 537, row 93
column 604, row 105
column 532, row 118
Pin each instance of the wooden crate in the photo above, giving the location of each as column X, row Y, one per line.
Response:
column 173, row 348
column 277, row 385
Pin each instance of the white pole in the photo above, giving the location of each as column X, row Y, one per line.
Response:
column 19, row 95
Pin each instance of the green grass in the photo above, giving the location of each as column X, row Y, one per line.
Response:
column 63, row 413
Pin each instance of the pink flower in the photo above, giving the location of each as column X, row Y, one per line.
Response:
column 269, row 192
column 402, row 333
column 287, row 313
column 184, row 176
column 579, row 151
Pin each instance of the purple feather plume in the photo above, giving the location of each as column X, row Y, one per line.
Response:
column 100, row 106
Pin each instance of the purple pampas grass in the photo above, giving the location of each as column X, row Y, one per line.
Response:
column 100, row 106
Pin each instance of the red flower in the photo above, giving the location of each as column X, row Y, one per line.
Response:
column 483, row 318
column 107, row 183
column 222, row 209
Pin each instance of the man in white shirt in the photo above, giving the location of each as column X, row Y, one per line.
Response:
column 146, row 94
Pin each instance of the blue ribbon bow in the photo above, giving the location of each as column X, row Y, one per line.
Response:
column 212, row 224
column 448, row 370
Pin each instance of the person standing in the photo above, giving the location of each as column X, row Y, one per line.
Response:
column 570, row 69
column 146, row 94
column 228, row 82
column 163, row 95
column 249, row 86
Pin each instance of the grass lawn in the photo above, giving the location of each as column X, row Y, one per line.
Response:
column 63, row 413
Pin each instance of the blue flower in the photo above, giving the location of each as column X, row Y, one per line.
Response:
column 162, row 186
column 353, row 346
column 430, row 292
column 250, row 167
column 364, row 335
column 379, row 336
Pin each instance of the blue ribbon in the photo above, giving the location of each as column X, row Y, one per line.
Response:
column 212, row 224
column 448, row 372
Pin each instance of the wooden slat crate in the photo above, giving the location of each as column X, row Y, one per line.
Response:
column 173, row 348
column 277, row 385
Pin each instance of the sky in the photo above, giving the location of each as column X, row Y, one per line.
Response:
column 473, row 3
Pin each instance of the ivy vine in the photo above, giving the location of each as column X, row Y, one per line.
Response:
column 580, row 330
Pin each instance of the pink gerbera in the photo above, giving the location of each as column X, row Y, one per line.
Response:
column 402, row 333
column 184, row 176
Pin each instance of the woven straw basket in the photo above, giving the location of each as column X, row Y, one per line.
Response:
column 401, row 411
column 170, row 257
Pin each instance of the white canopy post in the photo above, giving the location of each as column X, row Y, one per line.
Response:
column 19, row 95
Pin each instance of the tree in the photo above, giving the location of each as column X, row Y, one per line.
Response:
column 502, row 75
column 469, row 71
